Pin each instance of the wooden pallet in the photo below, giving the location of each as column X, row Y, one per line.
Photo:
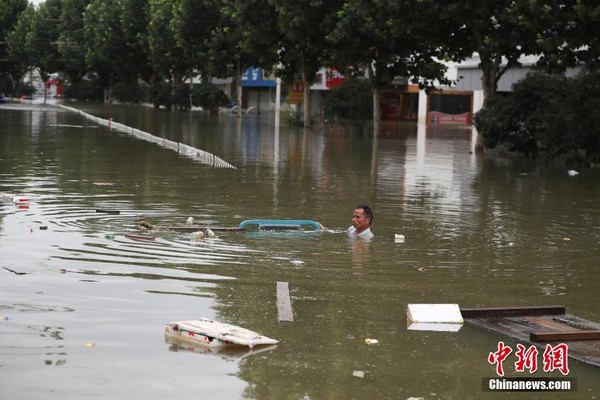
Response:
column 539, row 326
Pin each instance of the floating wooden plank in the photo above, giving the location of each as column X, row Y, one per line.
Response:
column 284, row 304
column 114, row 212
column 141, row 237
column 511, row 311
column 564, row 336
column 211, row 333
column 543, row 321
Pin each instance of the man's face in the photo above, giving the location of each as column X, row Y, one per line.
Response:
column 359, row 220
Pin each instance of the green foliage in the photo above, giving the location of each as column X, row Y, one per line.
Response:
column 85, row 90
column 161, row 94
column 120, row 41
column 192, row 24
column 18, row 57
column 390, row 38
column 209, row 97
column 130, row 92
column 10, row 68
column 24, row 89
column 305, row 25
column 204, row 95
column 42, row 38
column 71, row 41
column 352, row 100
column 181, row 97
column 15, row 88
column 586, row 105
column 113, row 30
column 247, row 34
column 546, row 116
column 293, row 117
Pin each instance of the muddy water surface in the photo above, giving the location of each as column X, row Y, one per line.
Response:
column 85, row 306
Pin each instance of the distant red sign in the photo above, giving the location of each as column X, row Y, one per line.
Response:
column 333, row 78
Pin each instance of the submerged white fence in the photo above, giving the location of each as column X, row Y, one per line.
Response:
column 198, row 155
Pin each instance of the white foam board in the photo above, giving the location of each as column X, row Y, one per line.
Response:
column 434, row 313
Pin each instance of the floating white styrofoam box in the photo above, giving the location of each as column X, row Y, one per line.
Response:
column 432, row 326
column 399, row 238
column 434, row 313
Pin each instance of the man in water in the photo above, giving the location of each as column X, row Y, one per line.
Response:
column 361, row 223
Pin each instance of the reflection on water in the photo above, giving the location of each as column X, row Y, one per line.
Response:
column 479, row 232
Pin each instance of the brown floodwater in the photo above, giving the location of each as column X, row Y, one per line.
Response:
column 83, row 307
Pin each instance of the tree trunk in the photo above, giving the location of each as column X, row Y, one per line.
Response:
column 44, row 76
column 376, row 111
column 489, row 78
column 191, row 92
column 109, row 91
column 239, row 92
column 375, row 90
column 306, row 103
column 489, row 81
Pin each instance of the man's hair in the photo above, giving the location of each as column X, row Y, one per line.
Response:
column 368, row 212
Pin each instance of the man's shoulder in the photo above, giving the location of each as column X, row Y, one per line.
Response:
column 366, row 234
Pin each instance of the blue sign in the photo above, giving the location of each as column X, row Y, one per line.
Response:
column 254, row 77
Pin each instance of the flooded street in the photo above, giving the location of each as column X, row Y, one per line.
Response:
column 83, row 307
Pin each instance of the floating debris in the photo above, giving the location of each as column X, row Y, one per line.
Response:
column 20, row 199
column 198, row 235
column 399, row 238
column 141, row 237
column 216, row 334
column 284, row 303
column 114, row 212
column 434, row 317
column 371, row 341
column 14, row 272
column 358, row 374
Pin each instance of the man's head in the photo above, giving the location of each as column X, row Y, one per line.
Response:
column 362, row 218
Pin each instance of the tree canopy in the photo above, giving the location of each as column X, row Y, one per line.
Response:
column 126, row 41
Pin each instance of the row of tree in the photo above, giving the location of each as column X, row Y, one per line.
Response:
column 172, row 40
column 547, row 117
